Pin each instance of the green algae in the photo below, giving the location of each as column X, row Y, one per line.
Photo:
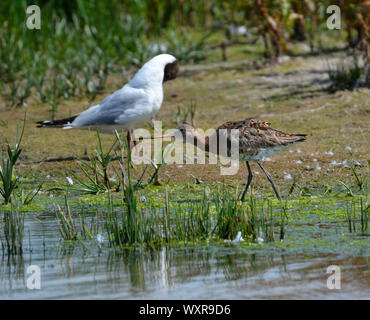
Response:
column 315, row 224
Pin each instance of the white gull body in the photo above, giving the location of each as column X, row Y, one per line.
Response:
column 136, row 102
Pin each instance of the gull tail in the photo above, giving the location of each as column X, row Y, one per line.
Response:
column 65, row 123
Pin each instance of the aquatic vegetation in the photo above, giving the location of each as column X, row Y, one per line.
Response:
column 66, row 223
column 215, row 217
column 9, row 182
column 358, row 183
column 12, row 229
column 360, row 178
column 218, row 215
column 364, row 220
column 157, row 164
column 140, row 218
column 353, row 217
column 72, row 228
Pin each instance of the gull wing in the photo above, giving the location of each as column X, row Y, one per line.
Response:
column 112, row 108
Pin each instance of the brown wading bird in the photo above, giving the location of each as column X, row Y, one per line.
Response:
column 256, row 141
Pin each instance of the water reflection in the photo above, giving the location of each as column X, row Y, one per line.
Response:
column 174, row 272
column 11, row 272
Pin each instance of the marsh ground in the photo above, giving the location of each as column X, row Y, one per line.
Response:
column 291, row 95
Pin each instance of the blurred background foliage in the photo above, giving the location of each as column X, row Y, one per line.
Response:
column 82, row 41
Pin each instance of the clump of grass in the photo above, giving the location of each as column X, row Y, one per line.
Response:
column 128, row 225
column 359, row 177
column 66, row 224
column 216, row 216
column 350, row 214
column 157, row 165
column 70, row 229
column 256, row 221
column 187, row 116
column 365, row 208
column 95, row 171
column 12, row 224
column 344, row 75
column 353, row 216
column 228, row 216
column 9, row 182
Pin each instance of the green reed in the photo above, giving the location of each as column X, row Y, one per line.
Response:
column 12, row 229
column 365, row 209
column 9, row 158
column 76, row 227
column 357, row 216
column 218, row 216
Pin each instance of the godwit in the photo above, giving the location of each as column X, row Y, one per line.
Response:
column 136, row 102
column 256, row 141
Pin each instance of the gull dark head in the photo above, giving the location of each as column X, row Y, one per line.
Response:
column 170, row 71
column 161, row 68
column 169, row 65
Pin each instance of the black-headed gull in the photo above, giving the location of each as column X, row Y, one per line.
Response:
column 136, row 102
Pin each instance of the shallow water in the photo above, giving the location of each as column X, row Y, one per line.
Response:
column 222, row 271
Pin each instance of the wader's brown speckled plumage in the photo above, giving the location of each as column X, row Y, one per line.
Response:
column 256, row 141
